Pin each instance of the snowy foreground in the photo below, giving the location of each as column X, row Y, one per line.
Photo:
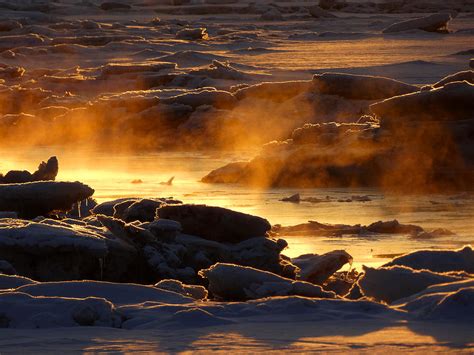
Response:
column 226, row 286
column 126, row 317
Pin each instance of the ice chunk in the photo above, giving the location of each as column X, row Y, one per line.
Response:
column 234, row 282
column 318, row 268
column 389, row 284
column 360, row 87
column 53, row 250
column 193, row 34
column 446, row 302
column 452, row 101
column 117, row 293
column 193, row 291
column 467, row 75
column 438, row 260
column 10, row 281
column 165, row 229
column 215, row 223
column 41, row 198
column 142, row 210
column 107, row 208
column 274, row 91
column 39, row 238
column 20, row 310
column 431, row 23
column 216, row 98
column 45, row 172
column 296, row 198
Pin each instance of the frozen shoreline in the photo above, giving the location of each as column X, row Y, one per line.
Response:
column 144, row 99
column 409, row 297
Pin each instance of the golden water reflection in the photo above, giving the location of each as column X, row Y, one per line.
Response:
column 111, row 176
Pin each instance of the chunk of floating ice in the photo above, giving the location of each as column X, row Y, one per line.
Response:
column 193, row 34
column 318, row 268
column 389, row 284
column 41, row 198
column 438, row 260
column 360, row 87
column 451, row 102
column 215, row 223
column 21, row 310
column 117, row 293
column 234, row 282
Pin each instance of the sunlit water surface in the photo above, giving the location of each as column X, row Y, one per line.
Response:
column 111, row 177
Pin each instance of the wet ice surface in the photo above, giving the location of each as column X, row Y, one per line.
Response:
column 111, row 176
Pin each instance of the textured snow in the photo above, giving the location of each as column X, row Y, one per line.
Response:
column 233, row 282
column 445, row 302
column 20, row 310
column 113, row 292
column 13, row 281
column 393, row 283
column 438, row 260
column 40, row 238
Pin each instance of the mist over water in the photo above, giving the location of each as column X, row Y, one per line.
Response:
column 111, row 175
column 112, row 130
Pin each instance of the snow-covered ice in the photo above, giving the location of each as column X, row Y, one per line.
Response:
column 331, row 105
